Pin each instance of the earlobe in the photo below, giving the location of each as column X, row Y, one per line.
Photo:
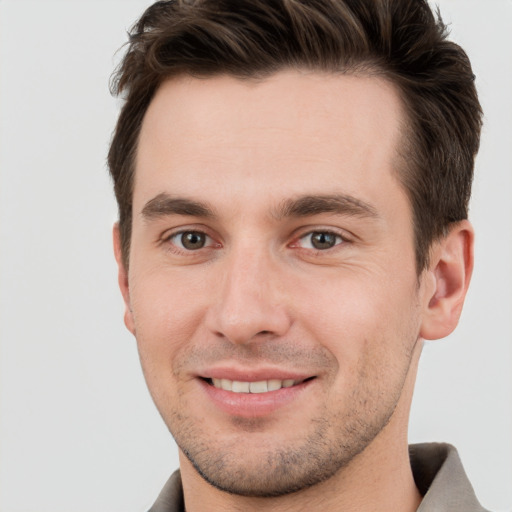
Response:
column 122, row 278
column 450, row 271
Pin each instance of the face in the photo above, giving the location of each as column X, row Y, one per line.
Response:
column 272, row 285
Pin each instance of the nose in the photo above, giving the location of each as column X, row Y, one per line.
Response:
column 250, row 302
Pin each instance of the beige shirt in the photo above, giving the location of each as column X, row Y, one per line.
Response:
column 437, row 470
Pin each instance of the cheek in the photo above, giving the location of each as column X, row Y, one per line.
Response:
column 351, row 313
column 166, row 316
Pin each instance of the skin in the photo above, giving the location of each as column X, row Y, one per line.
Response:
column 242, row 163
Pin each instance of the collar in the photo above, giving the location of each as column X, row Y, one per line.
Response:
column 441, row 479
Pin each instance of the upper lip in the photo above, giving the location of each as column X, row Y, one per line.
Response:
column 252, row 374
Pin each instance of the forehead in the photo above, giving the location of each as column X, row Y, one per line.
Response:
column 279, row 135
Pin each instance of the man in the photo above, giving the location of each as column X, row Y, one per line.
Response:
column 292, row 180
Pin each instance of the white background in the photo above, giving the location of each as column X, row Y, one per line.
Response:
column 78, row 431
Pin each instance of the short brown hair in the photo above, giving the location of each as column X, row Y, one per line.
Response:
column 401, row 40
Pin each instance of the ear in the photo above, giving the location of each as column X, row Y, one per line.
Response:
column 122, row 278
column 450, row 271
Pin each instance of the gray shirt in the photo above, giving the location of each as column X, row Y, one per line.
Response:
column 437, row 471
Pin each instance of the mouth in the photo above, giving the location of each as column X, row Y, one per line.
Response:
column 259, row 386
column 254, row 396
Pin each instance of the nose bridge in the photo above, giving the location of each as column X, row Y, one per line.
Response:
column 250, row 302
column 247, row 272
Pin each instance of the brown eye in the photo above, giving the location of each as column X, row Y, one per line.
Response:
column 193, row 240
column 323, row 240
column 320, row 240
column 190, row 240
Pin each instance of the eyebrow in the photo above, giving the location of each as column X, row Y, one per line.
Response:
column 339, row 204
column 304, row 206
column 164, row 204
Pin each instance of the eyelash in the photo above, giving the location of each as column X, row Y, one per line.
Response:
column 181, row 249
column 338, row 240
column 210, row 243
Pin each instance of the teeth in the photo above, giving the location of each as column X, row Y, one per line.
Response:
column 226, row 384
column 240, row 387
column 258, row 387
column 274, row 384
column 261, row 386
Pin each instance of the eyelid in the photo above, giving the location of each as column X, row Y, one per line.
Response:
column 339, row 240
column 303, row 232
column 176, row 236
column 168, row 236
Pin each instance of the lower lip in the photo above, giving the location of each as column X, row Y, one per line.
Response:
column 253, row 405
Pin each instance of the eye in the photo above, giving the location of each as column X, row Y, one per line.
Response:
column 320, row 240
column 191, row 240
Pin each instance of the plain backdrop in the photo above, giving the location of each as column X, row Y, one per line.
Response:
column 78, row 431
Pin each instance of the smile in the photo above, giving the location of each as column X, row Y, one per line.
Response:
column 261, row 386
column 257, row 396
